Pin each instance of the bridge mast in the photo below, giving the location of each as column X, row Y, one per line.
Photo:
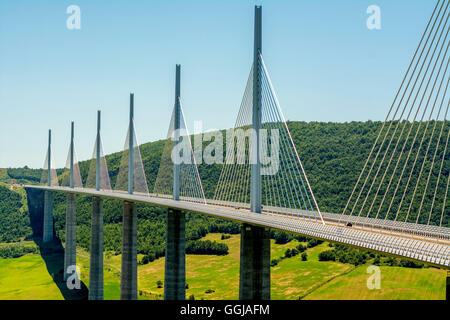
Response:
column 176, row 130
column 97, row 156
column 175, row 263
column 49, row 161
column 128, row 283
column 71, row 154
column 96, row 261
column 255, row 185
column 254, row 273
column 70, row 255
column 131, row 147
column 47, row 235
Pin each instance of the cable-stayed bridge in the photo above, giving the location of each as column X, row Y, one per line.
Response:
column 397, row 207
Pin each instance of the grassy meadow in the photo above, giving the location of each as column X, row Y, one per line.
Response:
column 27, row 278
column 217, row 277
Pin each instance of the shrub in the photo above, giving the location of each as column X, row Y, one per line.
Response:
column 287, row 253
column 16, row 251
column 281, row 237
column 410, row 264
column 314, row 242
column 327, row 256
column 225, row 236
column 206, row 247
column 274, row 262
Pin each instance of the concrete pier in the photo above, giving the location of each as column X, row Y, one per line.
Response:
column 128, row 283
column 175, row 263
column 96, row 263
column 448, row 286
column 47, row 235
column 254, row 275
column 70, row 258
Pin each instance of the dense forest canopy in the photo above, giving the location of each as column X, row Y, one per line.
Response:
column 14, row 219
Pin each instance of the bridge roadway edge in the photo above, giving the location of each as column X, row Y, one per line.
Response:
column 261, row 220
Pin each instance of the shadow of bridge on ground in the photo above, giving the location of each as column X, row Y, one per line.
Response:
column 52, row 253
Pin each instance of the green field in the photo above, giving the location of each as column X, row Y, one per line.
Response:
column 396, row 283
column 28, row 278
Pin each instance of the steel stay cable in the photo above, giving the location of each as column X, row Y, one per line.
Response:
column 445, row 200
column 412, row 145
column 291, row 158
column 245, row 166
column 274, row 121
column 423, row 163
column 270, row 182
column 221, row 184
column 440, row 170
column 286, row 144
column 399, row 122
column 395, row 99
column 405, row 142
column 192, row 153
column 237, row 166
column 434, row 156
column 290, row 137
column 275, row 189
column 409, row 153
column 288, row 205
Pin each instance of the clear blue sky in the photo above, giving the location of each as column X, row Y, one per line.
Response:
column 324, row 63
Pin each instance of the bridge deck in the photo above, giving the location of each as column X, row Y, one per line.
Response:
column 382, row 241
column 406, row 229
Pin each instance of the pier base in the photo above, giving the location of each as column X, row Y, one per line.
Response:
column 47, row 234
column 70, row 250
column 254, row 275
column 128, row 283
column 175, row 268
column 448, row 286
column 96, row 263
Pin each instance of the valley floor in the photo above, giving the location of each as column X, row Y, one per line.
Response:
column 217, row 277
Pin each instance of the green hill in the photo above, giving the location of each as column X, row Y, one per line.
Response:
column 14, row 218
column 332, row 154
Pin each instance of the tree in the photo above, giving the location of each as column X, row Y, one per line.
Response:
column 288, row 253
column 281, row 237
column 327, row 255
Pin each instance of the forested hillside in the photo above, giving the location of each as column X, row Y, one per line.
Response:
column 14, row 219
column 333, row 155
